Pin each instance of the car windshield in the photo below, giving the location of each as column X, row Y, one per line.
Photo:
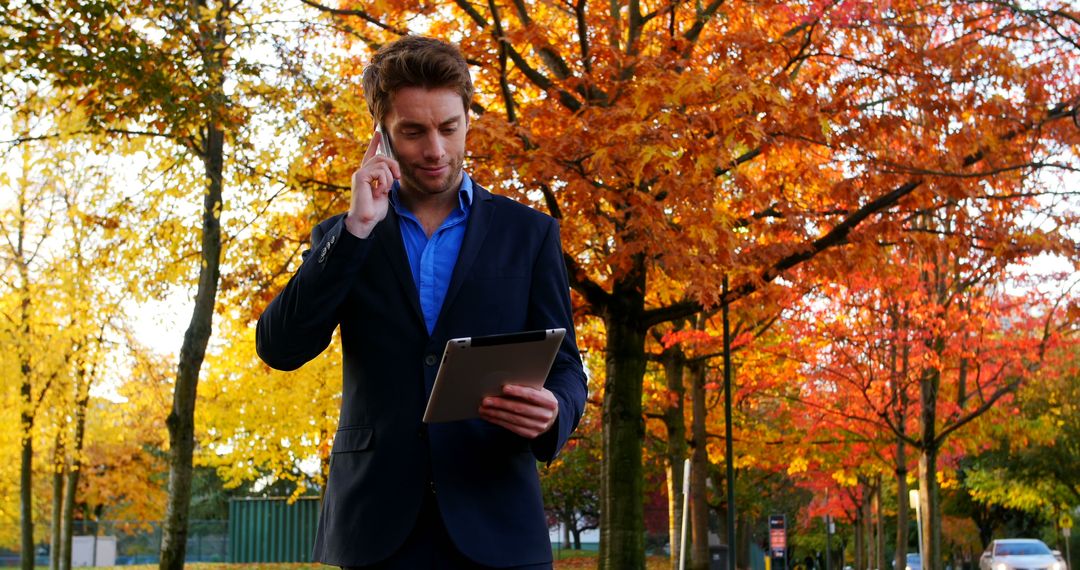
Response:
column 1020, row 549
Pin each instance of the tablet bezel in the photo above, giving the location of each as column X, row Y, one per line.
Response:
column 473, row 368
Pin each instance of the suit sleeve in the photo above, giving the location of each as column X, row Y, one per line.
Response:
column 550, row 307
column 299, row 323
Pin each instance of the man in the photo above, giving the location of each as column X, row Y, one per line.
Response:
column 424, row 255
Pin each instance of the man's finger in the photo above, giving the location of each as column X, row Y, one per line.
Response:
column 527, row 393
column 372, row 147
column 518, row 408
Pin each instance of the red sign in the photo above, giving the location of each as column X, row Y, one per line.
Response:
column 777, row 535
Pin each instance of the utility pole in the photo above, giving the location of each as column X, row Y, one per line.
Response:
column 729, row 451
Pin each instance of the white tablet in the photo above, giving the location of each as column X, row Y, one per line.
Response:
column 475, row 367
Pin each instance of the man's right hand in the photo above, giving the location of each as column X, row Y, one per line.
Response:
column 371, row 190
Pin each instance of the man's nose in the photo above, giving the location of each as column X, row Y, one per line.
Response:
column 434, row 147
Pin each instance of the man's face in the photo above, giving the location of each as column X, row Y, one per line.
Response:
column 427, row 130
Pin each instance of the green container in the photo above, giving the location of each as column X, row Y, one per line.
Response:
column 272, row 530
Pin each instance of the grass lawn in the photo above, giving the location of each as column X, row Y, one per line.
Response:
column 582, row 559
column 571, row 560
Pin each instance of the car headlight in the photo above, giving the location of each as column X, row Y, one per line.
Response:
column 1001, row 566
column 1057, row 565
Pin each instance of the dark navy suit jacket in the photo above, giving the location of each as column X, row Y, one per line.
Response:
column 509, row 277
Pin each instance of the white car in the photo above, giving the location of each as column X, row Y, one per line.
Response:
column 1020, row 554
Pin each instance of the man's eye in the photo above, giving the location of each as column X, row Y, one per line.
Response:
column 449, row 130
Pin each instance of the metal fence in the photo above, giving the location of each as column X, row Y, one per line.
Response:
column 272, row 529
column 139, row 542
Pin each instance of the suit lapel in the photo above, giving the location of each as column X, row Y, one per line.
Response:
column 388, row 234
column 482, row 210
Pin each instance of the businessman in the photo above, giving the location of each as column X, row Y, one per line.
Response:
column 423, row 255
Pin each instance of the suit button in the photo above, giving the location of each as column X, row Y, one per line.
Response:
column 431, row 360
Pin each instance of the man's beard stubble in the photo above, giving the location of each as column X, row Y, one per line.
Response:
column 450, row 182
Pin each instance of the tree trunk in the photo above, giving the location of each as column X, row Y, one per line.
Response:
column 26, row 401
column 622, row 513
column 57, row 502
column 903, row 506
column 742, row 538
column 984, row 522
column 930, row 504
column 82, row 401
column 903, row 501
column 26, row 424
column 674, row 420
column 699, row 510
column 860, row 554
column 577, row 539
column 181, row 421
column 879, row 523
column 26, row 480
column 868, row 526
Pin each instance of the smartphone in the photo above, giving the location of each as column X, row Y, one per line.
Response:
column 384, row 143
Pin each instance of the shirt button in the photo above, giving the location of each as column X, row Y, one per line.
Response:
column 430, row 360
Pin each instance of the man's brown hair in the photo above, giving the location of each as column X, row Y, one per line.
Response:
column 414, row 61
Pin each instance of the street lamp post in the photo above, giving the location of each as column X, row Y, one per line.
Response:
column 1068, row 555
column 913, row 497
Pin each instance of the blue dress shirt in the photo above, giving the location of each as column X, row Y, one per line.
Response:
column 432, row 259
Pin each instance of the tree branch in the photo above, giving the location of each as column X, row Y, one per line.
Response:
column 745, row 157
column 552, row 59
column 504, row 83
column 837, row 236
column 583, row 36
column 702, row 18
column 680, row 310
column 594, row 294
column 358, row 13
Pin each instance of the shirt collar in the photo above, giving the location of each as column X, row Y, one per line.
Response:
column 465, row 195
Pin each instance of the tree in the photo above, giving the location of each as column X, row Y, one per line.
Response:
column 754, row 135
column 176, row 74
column 569, row 487
column 124, row 473
column 61, row 218
column 264, row 425
column 1032, row 465
column 92, row 278
column 39, row 339
column 967, row 346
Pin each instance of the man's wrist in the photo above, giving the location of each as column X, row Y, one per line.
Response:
column 358, row 228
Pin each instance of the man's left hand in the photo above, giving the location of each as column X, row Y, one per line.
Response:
column 523, row 410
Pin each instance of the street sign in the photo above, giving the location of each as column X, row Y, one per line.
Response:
column 777, row 535
column 1066, row 521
